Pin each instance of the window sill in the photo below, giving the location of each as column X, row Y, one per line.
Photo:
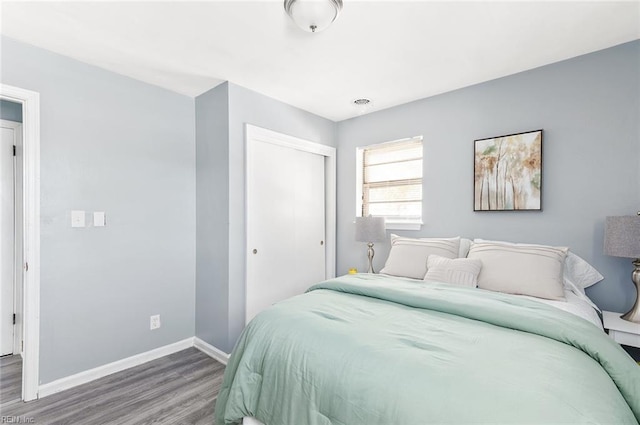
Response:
column 403, row 225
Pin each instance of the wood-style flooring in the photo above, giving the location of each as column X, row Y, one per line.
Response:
column 10, row 380
column 176, row 389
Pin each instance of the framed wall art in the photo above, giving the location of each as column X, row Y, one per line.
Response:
column 508, row 173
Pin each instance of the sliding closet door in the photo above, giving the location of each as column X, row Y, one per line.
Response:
column 285, row 223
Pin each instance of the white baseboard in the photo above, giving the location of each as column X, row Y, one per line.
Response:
column 117, row 366
column 211, row 351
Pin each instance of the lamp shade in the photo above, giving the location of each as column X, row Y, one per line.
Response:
column 313, row 15
column 370, row 229
column 622, row 236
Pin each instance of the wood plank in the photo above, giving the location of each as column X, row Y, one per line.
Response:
column 177, row 389
column 10, row 379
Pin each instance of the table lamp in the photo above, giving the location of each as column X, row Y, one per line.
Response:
column 622, row 239
column 370, row 229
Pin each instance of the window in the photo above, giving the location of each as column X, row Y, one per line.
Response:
column 389, row 182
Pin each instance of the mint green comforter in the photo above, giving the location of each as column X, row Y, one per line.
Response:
column 370, row 349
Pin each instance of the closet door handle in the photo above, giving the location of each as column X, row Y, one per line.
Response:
column 255, row 251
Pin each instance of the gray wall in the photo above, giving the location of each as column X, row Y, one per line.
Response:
column 212, row 216
column 246, row 106
column 109, row 143
column 10, row 111
column 588, row 108
column 221, row 292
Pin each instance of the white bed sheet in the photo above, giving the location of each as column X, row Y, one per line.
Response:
column 574, row 304
column 579, row 304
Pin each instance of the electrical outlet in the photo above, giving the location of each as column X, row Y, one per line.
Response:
column 154, row 322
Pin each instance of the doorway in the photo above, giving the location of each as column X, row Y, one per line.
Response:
column 26, row 233
column 11, row 251
column 10, row 235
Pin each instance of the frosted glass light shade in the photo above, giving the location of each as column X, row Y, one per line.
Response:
column 313, row 15
column 622, row 236
column 370, row 229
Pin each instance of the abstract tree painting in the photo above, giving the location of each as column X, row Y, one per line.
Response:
column 508, row 173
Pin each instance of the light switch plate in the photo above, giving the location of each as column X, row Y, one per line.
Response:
column 99, row 219
column 77, row 219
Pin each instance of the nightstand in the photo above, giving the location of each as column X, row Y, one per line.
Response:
column 622, row 331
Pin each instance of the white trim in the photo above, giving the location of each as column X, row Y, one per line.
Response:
column 110, row 368
column 403, row 225
column 10, row 124
column 255, row 133
column 359, row 180
column 330, row 171
column 269, row 136
column 30, row 101
column 211, row 351
column 129, row 362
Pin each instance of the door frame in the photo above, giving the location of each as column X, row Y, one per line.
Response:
column 258, row 134
column 30, row 102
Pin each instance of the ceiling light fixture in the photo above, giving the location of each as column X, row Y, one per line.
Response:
column 313, row 15
column 363, row 105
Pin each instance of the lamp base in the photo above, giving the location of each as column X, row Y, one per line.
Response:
column 370, row 254
column 633, row 315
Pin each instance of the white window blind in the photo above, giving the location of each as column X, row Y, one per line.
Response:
column 392, row 180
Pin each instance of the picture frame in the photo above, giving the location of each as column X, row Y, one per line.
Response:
column 508, row 172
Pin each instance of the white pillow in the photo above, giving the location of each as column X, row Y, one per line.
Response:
column 458, row 271
column 521, row 269
column 408, row 256
column 580, row 273
column 579, row 292
column 465, row 244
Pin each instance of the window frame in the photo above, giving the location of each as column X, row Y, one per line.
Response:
column 394, row 223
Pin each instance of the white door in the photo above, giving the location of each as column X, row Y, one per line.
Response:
column 285, row 223
column 7, row 259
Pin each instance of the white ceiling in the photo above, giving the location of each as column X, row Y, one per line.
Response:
column 390, row 51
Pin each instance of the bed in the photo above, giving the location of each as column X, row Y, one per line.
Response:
column 381, row 349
